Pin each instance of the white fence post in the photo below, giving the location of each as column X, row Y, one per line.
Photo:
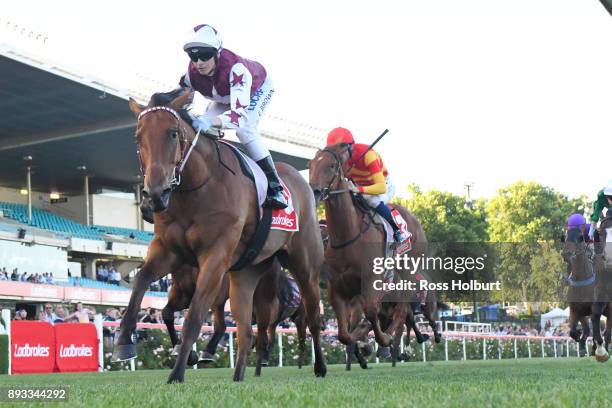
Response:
column 499, row 349
column 577, row 350
column 529, row 347
column 464, row 351
column 543, row 349
column 515, row 350
column 376, row 359
column 280, row 349
column 567, row 347
column 424, row 353
column 402, row 343
column 484, row 348
column 98, row 324
column 555, row 347
column 231, row 349
column 133, row 364
column 194, row 348
column 6, row 316
column 445, row 348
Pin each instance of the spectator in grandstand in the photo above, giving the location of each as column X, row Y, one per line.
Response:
column 91, row 313
column 102, row 274
column 21, row 314
column 42, row 316
column 23, row 277
column 14, row 275
column 152, row 316
column 49, row 315
column 81, row 314
column 111, row 315
column 76, row 281
column 114, row 277
column 60, row 314
column 3, row 276
column 50, row 279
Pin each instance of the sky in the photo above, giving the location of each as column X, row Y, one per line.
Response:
column 482, row 92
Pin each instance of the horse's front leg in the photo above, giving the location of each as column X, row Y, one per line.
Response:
column 598, row 349
column 213, row 265
column 159, row 262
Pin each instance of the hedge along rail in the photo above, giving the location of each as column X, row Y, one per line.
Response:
column 535, row 344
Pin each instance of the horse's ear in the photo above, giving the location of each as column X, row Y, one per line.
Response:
column 135, row 107
column 182, row 100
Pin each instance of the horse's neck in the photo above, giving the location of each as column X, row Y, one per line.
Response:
column 201, row 165
column 343, row 220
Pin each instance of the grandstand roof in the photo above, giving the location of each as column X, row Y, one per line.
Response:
column 64, row 120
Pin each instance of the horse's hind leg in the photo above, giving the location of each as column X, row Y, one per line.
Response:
column 262, row 311
column 306, row 273
column 176, row 301
column 300, row 324
column 397, row 339
column 218, row 311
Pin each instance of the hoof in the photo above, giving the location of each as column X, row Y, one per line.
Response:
column 601, row 354
column 206, row 357
column 264, row 363
column 363, row 365
column 437, row 337
column 321, row 371
column 175, row 379
column 403, row 357
column 123, row 352
column 193, row 358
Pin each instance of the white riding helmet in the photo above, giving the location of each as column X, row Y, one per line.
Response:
column 204, row 36
column 608, row 189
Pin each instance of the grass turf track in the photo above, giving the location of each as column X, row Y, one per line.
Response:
column 563, row 382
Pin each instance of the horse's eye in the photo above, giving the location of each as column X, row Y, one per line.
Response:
column 174, row 134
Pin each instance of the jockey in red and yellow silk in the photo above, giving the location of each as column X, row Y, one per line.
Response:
column 369, row 175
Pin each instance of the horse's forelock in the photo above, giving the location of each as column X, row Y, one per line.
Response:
column 164, row 98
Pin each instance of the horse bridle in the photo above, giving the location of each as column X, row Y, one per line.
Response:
column 327, row 192
column 185, row 147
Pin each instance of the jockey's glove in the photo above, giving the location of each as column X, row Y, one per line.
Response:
column 353, row 188
column 201, row 124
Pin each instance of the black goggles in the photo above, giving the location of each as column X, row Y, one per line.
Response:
column 203, row 54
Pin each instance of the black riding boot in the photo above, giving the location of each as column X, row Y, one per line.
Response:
column 274, row 197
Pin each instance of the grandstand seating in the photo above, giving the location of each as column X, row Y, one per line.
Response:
column 49, row 221
column 94, row 284
column 125, row 232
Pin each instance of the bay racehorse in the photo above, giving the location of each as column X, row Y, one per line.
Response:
column 355, row 240
column 581, row 291
column 603, row 288
column 205, row 212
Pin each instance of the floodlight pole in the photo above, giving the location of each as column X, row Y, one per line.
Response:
column 29, row 184
column 86, row 189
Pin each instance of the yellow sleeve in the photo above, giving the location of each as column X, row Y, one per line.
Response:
column 378, row 187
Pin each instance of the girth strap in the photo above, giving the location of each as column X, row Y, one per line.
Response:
column 257, row 241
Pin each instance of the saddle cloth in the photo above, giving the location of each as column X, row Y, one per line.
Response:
column 282, row 219
column 392, row 248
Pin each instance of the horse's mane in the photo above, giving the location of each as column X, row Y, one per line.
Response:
column 164, row 99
